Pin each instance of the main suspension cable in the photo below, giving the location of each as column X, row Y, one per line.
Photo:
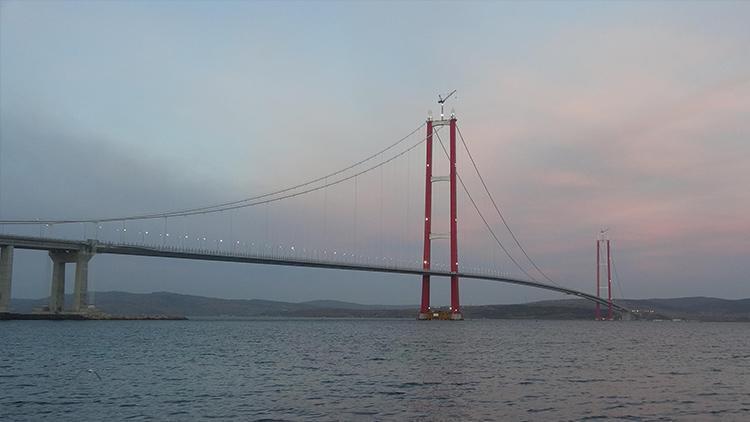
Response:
column 317, row 188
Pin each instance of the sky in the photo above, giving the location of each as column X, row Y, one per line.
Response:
column 632, row 116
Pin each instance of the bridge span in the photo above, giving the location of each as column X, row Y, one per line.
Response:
column 63, row 251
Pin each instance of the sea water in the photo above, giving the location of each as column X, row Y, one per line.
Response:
column 373, row 369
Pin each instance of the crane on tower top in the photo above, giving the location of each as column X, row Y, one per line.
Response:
column 442, row 101
column 603, row 233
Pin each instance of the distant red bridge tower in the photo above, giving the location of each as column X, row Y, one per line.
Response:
column 425, row 311
column 603, row 260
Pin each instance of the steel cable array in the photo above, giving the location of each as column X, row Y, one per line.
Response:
column 494, row 204
column 246, row 202
column 486, row 223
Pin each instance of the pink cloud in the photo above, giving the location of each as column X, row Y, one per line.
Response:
column 650, row 144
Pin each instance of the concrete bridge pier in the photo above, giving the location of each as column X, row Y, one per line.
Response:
column 80, row 290
column 57, row 291
column 6, row 276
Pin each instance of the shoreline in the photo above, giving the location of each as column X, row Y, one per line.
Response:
column 12, row 316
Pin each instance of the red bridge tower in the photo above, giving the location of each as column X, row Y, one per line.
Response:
column 425, row 311
column 603, row 259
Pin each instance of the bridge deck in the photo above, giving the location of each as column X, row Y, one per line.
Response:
column 36, row 243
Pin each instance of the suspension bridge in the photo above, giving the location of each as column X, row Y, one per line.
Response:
column 364, row 241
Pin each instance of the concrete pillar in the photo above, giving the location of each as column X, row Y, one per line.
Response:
column 81, row 289
column 57, row 293
column 6, row 276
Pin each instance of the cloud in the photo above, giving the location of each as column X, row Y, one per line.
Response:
column 631, row 119
column 640, row 132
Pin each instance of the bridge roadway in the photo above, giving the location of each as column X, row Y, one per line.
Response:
column 95, row 247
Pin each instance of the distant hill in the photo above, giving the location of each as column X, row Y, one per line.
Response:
column 165, row 303
column 692, row 308
column 337, row 304
column 698, row 308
